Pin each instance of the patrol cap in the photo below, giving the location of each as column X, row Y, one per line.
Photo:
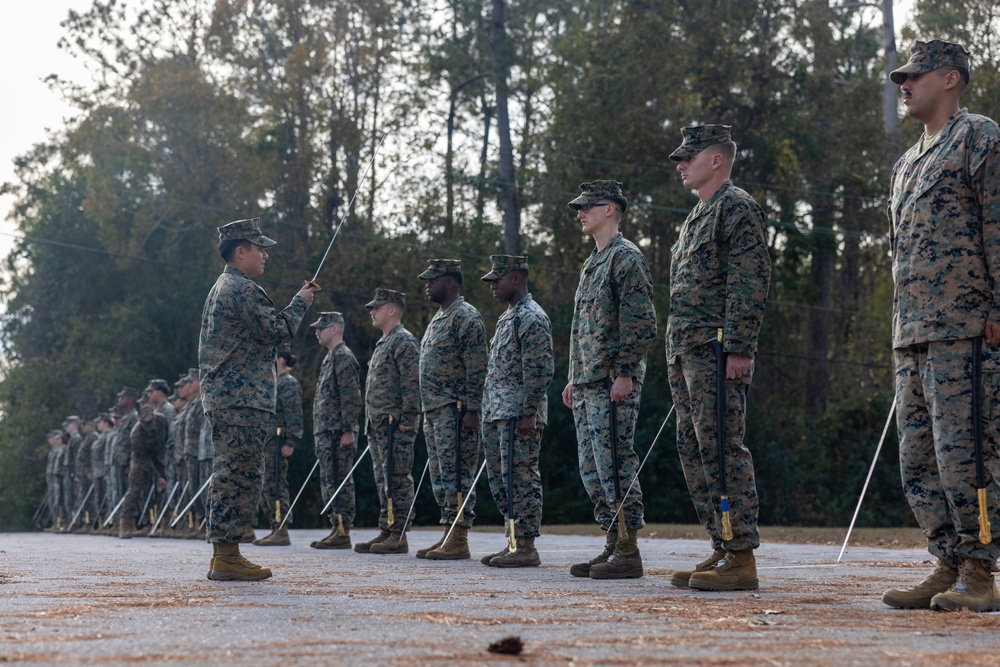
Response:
column 929, row 56
column 245, row 230
column 504, row 264
column 194, row 374
column 128, row 392
column 383, row 295
column 70, row 419
column 184, row 379
column 697, row 138
column 440, row 267
column 158, row 384
column 328, row 319
column 595, row 191
column 54, row 433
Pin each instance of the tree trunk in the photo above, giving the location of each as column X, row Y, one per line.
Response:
column 508, row 197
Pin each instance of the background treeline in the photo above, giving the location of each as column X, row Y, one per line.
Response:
column 205, row 111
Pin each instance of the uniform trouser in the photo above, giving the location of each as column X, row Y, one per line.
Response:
column 452, row 465
column 68, row 495
column 55, row 496
column 527, row 478
column 936, row 450
column 275, row 489
column 238, row 437
column 120, row 486
column 334, row 464
column 141, row 476
column 95, row 505
column 692, row 378
column 400, row 487
column 592, row 414
column 82, row 486
column 205, row 469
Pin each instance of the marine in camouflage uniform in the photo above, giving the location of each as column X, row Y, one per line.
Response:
column 392, row 411
column 288, row 423
column 613, row 323
column 71, row 427
column 239, row 333
column 336, row 419
column 99, row 465
column 452, row 371
column 146, row 471
column 515, row 404
column 719, row 275
column 121, row 445
column 197, row 455
column 85, row 478
column 944, row 211
column 53, row 479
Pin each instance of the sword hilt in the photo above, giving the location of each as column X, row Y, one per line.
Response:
column 511, row 540
column 389, row 517
column 314, row 285
column 277, row 511
column 727, row 525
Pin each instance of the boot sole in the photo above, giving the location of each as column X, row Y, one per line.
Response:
column 887, row 599
column 750, row 585
column 513, row 565
column 949, row 605
column 628, row 574
column 232, row 576
column 322, row 545
column 465, row 556
column 390, row 553
column 273, row 544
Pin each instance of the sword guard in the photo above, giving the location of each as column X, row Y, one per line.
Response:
column 315, row 286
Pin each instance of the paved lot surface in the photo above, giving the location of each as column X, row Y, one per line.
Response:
column 80, row 599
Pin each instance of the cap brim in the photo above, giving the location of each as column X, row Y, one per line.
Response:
column 578, row 203
column 898, row 76
column 429, row 274
column 490, row 277
column 374, row 303
column 265, row 242
column 682, row 153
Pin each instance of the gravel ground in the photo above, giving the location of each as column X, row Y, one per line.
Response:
column 82, row 599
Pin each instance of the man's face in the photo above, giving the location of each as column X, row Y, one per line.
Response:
column 922, row 93
column 378, row 315
column 251, row 259
column 696, row 170
column 595, row 217
column 88, row 427
column 503, row 287
column 325, row 335
column 437, row 289
column 126, row 404
column 72, row 428
column 156, row 397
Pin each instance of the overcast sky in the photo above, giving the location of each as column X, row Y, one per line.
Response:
column 29, row 34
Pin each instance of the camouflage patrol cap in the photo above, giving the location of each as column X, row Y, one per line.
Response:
column 184, row 379
column 245, row 230
column 929, row 56
column 383, row 295
column 70, row 419
column 328, row 319
column 697, row 138
column 440, row 267
column 128, row 392
column 504, row 264
column 158, row 384
column 595, row 191
column 54, row 433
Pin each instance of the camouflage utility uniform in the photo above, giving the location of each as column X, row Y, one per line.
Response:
column 719, row 275
column 613, row 323
column 518, row 376
column 287, row 417
column 149, row 440
column 53, row 479
column 945, row 216
column 452, row 369
column 240, row 332
column 392, row 392
column 336, row 411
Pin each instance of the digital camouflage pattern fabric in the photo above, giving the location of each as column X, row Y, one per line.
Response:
column 240, row 332
column 945, row 234
column 527, row 476
column 287, row 417
column 929, row 56
column 596, row 191
column 337, row 410
column 613, row 316
column 149, row 441
column 697, row 138
column 451, row 469
column 719, row 275
column 693, row 388
column 238, row 439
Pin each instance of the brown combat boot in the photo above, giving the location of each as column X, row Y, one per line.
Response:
column 973, row 590
column 394, row 544
column 249, row 537
column 335, row 540
column 736, row 572
column 487, row 559
column 366, row 547
column 456, row 548
column 624, row 563
column 422, row 553
column 228, row 565
column 277, row 538
column 680, row 578
column 583, row 569
column 126, row 528
column 525, row 556
column 919, row 597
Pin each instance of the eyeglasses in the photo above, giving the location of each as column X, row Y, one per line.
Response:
column 586, row 207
